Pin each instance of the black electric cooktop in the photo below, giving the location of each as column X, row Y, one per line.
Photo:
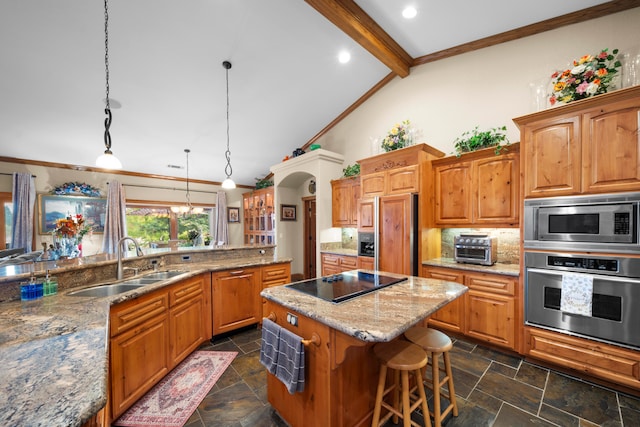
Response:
column 344, row 286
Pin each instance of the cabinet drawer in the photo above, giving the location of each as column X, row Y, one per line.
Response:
column 330, row 259
column 185, row 291
column 349, row 262
column 276, row 272
column 491, row 283
column 134, row 312
column 611, row 363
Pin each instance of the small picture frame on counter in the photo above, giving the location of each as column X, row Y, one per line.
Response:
column 287, row 212
column 233, row 215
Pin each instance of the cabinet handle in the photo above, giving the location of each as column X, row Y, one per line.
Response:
column 236, row 272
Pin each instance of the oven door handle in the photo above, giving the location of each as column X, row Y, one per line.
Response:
column 595, row 276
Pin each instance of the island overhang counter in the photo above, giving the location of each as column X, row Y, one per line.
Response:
column 341, row 370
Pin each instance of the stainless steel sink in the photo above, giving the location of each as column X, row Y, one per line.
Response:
column 107, row 290
column 164, row 275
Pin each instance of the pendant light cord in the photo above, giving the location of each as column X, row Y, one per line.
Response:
column 186, row 150
column 107, row 110
column 227, row 169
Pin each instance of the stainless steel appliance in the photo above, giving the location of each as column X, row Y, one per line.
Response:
column 396, row 234
column 366, row 244
column 600, row 223
column 346, row 285
column 616, row 291
column 475, row 249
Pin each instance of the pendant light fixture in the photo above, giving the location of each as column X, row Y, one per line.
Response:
column 228, row 182
column 107, row 160
column 189, row 209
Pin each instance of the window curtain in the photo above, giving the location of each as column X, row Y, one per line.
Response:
column 221, row 236
column 115, row 222
column 24, row 200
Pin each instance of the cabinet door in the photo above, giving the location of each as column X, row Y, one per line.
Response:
column 138, row 360
column 372, row 184
column 366, row 215
column 188, row 318
column 451, row 316
column 453, row 194
column 236, row 299
column 341, row 198
column 403, row 180
column 552, row 157
column 611, row 148
column 491, row 318
column 366, row 263
column 496, row 182
column 394, row 252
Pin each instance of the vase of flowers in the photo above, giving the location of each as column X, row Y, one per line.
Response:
column 590, row 75
column 68, row 234
column 400, row 136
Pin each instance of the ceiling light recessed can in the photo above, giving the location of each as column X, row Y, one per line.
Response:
column 344, row 57
column 409, row 12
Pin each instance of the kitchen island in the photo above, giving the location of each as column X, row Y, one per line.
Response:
column 341, row 370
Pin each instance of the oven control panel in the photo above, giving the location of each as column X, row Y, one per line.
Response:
column 600, row 264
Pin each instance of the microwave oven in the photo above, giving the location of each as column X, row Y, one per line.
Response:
column 607, row 222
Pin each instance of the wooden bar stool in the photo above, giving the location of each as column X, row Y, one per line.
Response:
column 403, row 357
column 435, row 343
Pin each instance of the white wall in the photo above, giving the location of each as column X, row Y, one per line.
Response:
column 485, row 88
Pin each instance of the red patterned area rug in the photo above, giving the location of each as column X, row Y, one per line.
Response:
column 172, row 401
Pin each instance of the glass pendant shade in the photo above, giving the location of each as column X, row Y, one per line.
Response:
column 228, row 184
column 108, row 161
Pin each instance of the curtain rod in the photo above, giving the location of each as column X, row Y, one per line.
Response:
column 168, row 188
column 11, row 174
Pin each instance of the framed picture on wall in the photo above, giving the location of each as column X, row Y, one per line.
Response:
column 233, row 214
column 287, row 212
column 53, row 208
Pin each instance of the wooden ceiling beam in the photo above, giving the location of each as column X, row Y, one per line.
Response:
column 350, row 18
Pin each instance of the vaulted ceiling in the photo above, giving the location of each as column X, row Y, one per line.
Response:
column 167, row 81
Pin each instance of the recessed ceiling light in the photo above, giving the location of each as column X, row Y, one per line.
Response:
column 344, row 57
column 409, row 12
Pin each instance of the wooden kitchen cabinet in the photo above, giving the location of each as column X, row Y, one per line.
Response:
column 452, row 316
column 611, row 363
column 366, row 263
column 236, row 299
column 487, row 312
column 274, row 275
column 139, row 349
column 479, row 189
column 588, row 146
column 397, row 172
column 189, row 316
column 344, row 202
column 259, row 217
column 151, row 334
column 335, row 264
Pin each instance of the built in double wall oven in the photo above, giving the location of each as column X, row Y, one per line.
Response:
column 582, row 266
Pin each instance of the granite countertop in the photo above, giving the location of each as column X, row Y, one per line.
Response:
column 497, row 268
column 378, row 316
column 54, row 351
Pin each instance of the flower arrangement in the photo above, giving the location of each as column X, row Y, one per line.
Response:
column 398, row 137
column 591, row 75
column 71, row 227
column 476, row 140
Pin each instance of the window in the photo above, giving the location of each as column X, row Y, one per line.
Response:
column 157, row 225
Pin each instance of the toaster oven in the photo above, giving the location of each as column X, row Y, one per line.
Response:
column 475, row 249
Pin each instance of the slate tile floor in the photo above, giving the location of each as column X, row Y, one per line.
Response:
column 493, row 389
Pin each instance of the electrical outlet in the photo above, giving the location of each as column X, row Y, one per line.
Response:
column 292, row 319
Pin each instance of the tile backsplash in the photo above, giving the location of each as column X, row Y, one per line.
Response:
column 508, row 242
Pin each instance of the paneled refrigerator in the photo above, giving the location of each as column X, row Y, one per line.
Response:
column 392, row 223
